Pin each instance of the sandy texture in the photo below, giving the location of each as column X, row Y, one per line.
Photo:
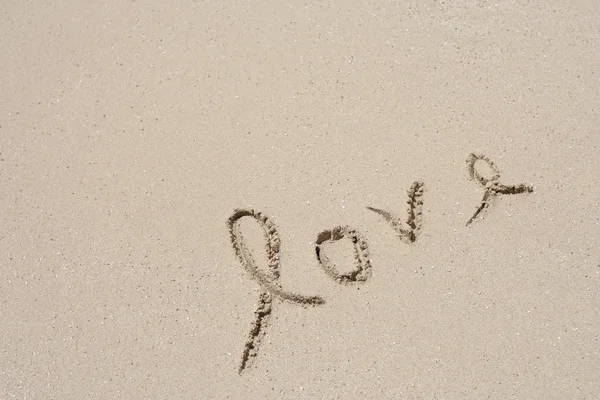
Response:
column 131, row 131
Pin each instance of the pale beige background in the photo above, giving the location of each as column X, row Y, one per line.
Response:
column 129, row 131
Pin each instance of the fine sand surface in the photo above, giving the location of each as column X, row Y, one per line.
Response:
column 131, row 131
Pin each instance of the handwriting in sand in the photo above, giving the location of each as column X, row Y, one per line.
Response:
column 408, row 232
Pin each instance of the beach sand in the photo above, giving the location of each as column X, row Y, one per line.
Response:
column 130, row 132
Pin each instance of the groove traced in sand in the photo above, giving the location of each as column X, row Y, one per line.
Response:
column 410, row 233
column 361, row 255
column 492, row 185
column 267, row 280
column 257, row 330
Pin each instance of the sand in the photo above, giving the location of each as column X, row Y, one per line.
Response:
column 130, row 132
